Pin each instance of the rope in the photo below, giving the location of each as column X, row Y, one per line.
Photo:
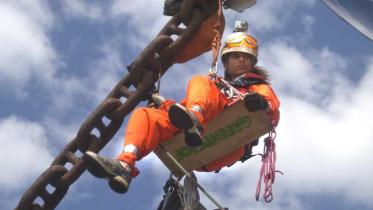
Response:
column 268, row 169
column 157, row 57
column 215, row 45
column 159, row 79
column 187, row 174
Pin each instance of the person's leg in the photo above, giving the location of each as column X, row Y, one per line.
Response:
column 203, row 93
column 202, row 103
column 145, row 130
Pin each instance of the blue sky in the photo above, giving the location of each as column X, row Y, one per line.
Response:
column 59, row 59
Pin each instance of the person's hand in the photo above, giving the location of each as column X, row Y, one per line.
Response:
column 255, row 102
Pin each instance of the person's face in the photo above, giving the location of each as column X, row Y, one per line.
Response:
column 238, row 63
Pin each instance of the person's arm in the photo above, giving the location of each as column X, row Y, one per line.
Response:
column 270, row 97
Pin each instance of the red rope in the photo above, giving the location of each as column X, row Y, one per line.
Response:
column 268, row 169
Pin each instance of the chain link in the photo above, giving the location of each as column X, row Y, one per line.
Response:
column 52, row 185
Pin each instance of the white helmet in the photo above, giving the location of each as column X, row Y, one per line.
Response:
column 240, row 41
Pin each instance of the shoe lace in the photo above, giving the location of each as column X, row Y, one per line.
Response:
column 116, row 167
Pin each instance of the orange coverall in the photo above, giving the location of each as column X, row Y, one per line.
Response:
column 148, row 127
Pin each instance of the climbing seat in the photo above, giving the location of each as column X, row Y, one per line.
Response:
column 227, row 132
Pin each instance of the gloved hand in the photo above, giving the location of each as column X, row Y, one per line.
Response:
column 255, row 102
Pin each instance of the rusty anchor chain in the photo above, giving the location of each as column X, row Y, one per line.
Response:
column 160, row 54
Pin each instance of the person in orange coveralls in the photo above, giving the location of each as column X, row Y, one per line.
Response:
column 205, row 99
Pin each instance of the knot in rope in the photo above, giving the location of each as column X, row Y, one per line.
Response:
column 268, row 169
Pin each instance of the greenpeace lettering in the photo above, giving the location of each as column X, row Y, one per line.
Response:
column 215, row 137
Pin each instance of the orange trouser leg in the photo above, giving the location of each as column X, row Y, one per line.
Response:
column 203, row 92
column 146, row 128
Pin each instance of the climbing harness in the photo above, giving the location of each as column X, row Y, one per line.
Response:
column 229, row 90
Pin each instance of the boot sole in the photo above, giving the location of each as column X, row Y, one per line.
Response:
column 179, row 117
column 192, row 139
column 94, row 166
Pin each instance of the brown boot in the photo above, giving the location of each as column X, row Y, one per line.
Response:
column 185, row 119
column 119, row 176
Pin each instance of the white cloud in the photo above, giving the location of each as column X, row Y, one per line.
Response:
column 60, row 131
column 142, row 11
column 69, row 89
column 144, row 18
column 38, row 11
column 330, row 148
column 105, row 72
column 267, row 16
column 24, row 152
column 289, row 68
column 308, row 23
column 311, row 74
column 78, row 8
column 26, row 49
column 145, row 21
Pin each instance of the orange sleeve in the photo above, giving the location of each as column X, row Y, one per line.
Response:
column 267, row 92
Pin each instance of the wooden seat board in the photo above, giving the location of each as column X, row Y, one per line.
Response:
column 230, row 130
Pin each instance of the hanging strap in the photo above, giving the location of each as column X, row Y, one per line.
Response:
column 215, row 45
column 268, row 169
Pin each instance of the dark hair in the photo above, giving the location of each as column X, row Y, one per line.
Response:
column 256, row 70
column 261, row 72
